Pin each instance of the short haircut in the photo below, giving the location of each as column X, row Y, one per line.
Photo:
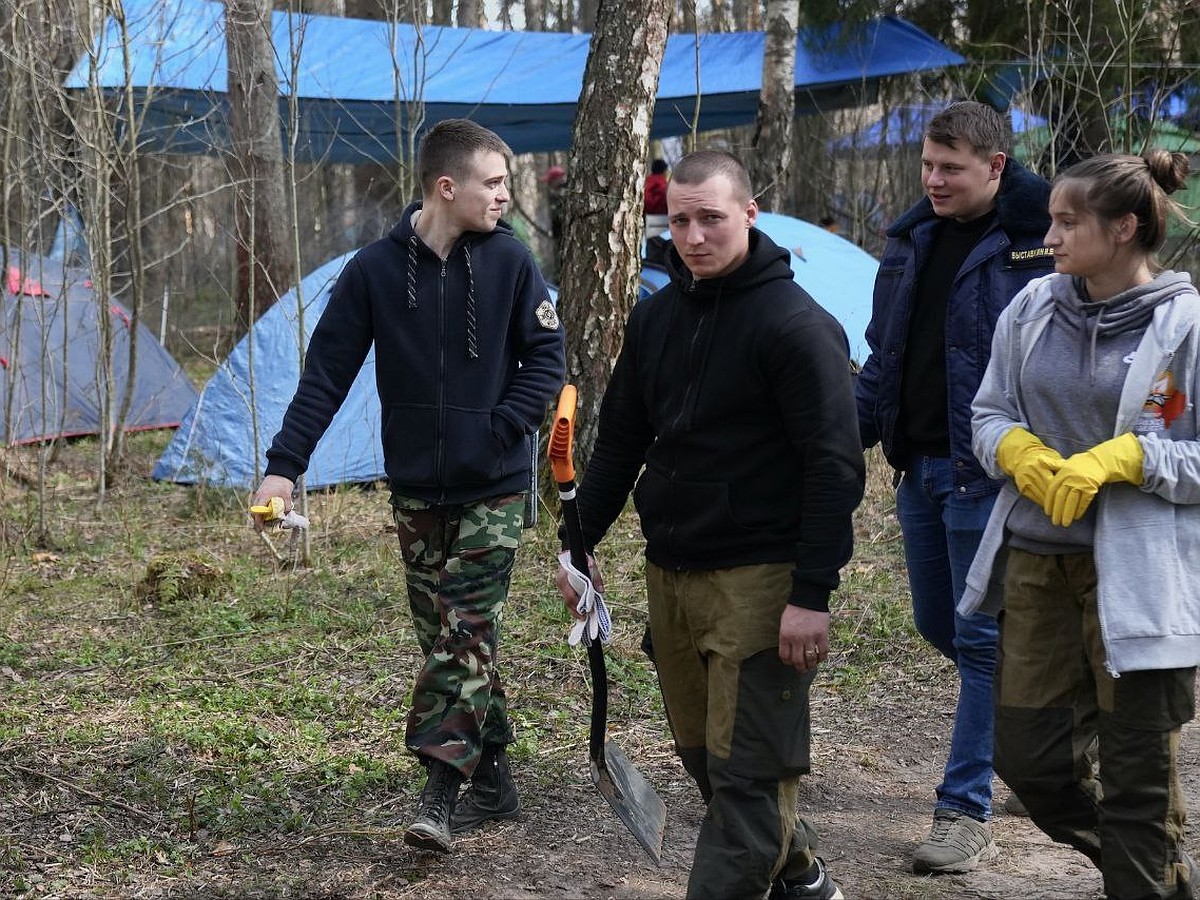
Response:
column 659, row 166
column 981, row 127
column 1114, row 185
column 702, row 165
column 449, row 146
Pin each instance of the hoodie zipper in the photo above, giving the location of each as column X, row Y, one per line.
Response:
column 687, row 395
column 441, row 407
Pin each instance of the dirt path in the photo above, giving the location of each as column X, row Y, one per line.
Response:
column 870, row 793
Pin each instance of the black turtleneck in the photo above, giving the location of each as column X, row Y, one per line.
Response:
column 924, row 402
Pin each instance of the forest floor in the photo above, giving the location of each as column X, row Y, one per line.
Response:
column 180, row 717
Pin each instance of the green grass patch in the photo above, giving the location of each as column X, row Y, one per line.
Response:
column 169, row 690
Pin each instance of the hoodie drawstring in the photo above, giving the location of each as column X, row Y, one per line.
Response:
column 471, row 324
column 412, row 271
column 472, row 339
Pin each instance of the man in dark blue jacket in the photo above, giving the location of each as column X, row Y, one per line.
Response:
column 729, row 409
column 951, row 264
column 468, row 353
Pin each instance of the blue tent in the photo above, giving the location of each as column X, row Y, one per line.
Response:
column 223, row 438
column 838, row 273
column 69, row 245
column 523, row 85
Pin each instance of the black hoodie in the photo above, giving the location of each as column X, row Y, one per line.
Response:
column 735, row 394
column 468, row 353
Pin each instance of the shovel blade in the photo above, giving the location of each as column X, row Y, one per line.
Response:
column 631, row 798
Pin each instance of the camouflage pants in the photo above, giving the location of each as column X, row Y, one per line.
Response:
column 458, row 562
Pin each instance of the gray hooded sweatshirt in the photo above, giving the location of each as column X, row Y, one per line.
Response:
column 1146, row 538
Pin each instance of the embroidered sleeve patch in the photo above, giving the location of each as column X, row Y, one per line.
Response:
column 546, row 315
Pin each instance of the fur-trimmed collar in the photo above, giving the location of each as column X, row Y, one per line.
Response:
column 1021, row 205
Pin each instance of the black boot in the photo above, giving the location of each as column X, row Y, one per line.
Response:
column 491, row 795
column 431, row 828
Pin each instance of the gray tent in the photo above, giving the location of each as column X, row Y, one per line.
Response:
column 51, row 367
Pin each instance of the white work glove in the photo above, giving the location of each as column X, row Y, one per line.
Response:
column 595, row 622
column 274, row 517
column 293, row 519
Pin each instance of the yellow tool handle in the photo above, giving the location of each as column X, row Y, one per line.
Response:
column 271, row 512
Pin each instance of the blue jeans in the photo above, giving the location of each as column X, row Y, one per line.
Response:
column 942, row 530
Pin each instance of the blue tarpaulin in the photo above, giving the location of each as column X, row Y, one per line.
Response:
column 905, row 125
column 347, row 73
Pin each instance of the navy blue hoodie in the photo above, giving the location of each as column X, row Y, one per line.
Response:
column 468, row 353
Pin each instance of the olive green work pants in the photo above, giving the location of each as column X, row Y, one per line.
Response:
column 740, row 722
column 1054, row 697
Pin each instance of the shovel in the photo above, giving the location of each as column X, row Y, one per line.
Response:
column 627, row 792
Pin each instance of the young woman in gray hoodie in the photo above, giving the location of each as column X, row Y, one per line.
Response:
column 1088, row 407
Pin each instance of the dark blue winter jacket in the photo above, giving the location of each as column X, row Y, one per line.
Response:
column 1009, row 254
column 468, row 354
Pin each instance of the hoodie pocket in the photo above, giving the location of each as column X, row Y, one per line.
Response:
column 695, row 515
column 473, row 452
column 409, row 444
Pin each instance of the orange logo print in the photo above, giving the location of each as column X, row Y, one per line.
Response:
column 1165, row 402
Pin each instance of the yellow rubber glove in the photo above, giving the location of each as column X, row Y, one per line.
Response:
column 1081, row 476
column 1031, row 463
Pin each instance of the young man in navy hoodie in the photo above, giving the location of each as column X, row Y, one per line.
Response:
column 468, row 354
column 730, row 409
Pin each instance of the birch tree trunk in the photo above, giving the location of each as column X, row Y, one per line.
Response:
column 264, row 256
column 719, row 18
column 339, row 184
column 687, row 17
column 602, row 229
column 771, row 146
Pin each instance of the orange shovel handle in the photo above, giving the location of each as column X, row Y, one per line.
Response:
column 562, row 437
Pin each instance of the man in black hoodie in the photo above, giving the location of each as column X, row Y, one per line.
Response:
column 732, row 398
column 468, row 353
